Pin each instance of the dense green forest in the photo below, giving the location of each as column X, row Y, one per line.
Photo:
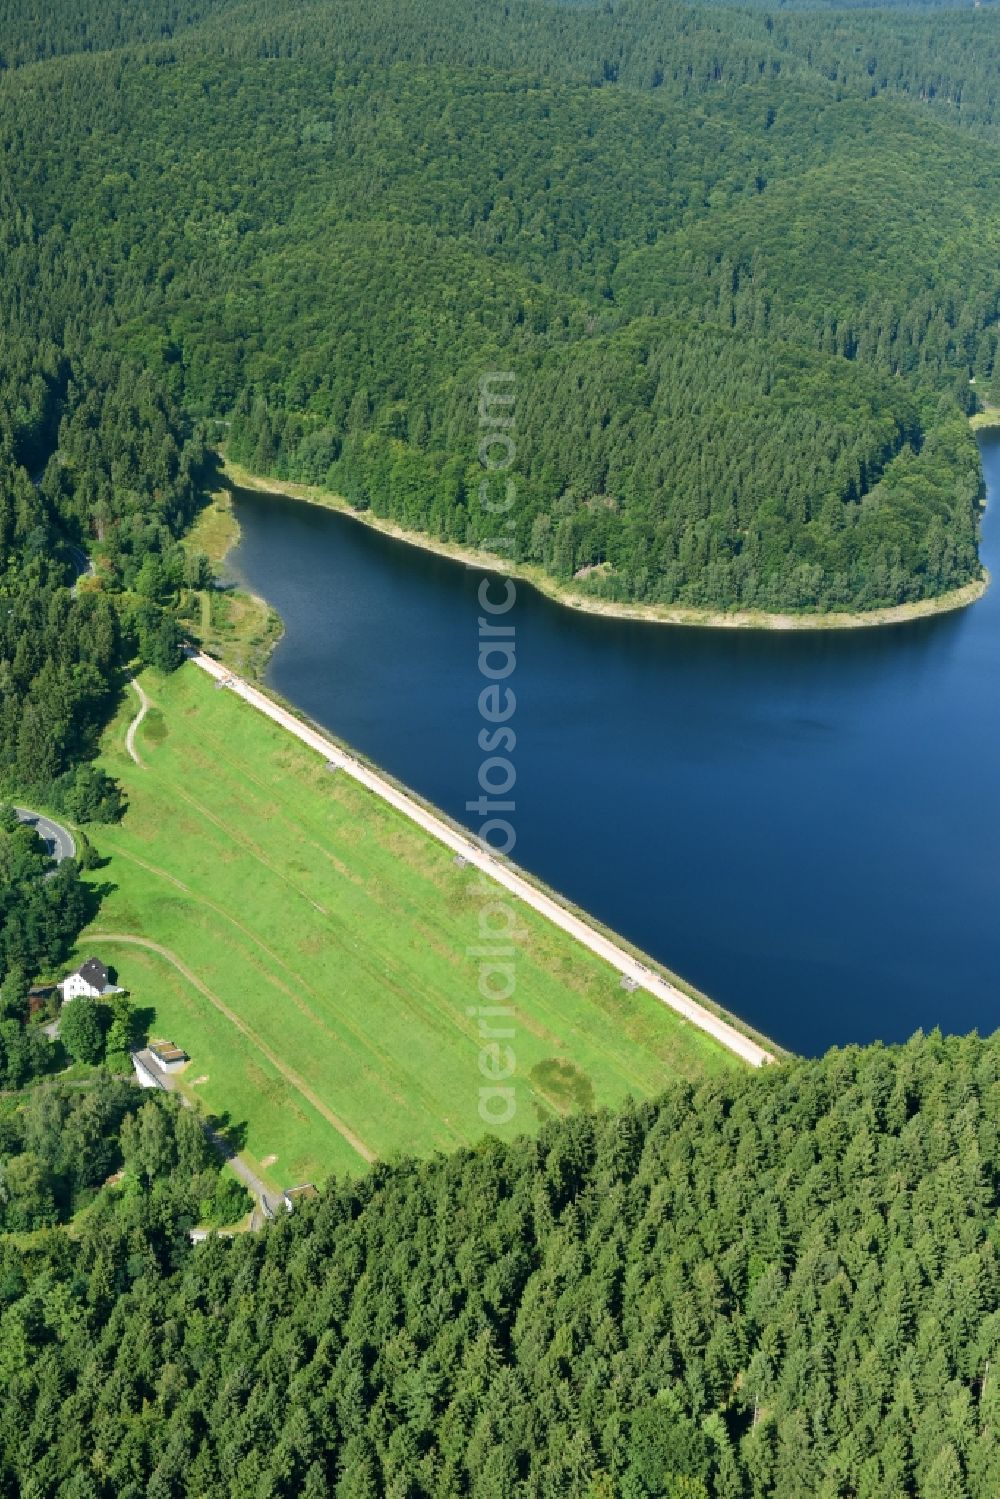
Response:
column 60, row 1144
column 41, row 906
column 743, row 265
column 781, row 1285
column 94, row 452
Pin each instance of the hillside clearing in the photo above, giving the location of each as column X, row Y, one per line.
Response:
column 338, row 934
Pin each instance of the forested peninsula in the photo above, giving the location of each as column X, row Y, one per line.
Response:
column 237, row 478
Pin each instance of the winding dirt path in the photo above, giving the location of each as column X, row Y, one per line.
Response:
column 473, row 853
column 144, row 707
column 298, row 1083
column 401, row 1087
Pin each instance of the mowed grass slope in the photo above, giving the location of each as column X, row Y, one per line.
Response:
column 316, row 963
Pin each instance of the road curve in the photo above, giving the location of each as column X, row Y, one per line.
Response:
column 144, row 707
column 84, row 565
column 714, row 1025
column 58, row 840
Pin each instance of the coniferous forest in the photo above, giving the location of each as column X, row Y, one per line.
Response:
column 745, row 266
column 774, row 1285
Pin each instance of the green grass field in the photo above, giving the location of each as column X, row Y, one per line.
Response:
column 315, row 964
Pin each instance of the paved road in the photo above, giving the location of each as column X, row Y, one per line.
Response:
column 474, row 854
column 144, row 706
column 218, row 1141
column 84, row 566
column 59, row 840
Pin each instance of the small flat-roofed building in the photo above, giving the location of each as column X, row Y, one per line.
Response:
column 156, row 1061
column 293, row 1195
column 168, row 1056
column 147, row 1072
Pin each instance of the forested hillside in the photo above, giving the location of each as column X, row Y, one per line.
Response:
column 32, row 32
column 91, row 451
column 744, row 267
column 780, row 1285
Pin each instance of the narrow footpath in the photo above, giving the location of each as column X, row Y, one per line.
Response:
column 110, row 939
column 489, row 865
column 144, row 707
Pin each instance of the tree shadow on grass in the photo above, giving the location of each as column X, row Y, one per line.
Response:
column 99, row 861
column 142, row 1020
column 230, row 1134
column 93, row 895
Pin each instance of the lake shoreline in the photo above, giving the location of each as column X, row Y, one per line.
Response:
column 256, row 680
column 897, row 614
column 250, row 628
column 225, row 538
column 729, row 1030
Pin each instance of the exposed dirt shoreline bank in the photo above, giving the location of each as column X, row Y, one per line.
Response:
column 899, row 614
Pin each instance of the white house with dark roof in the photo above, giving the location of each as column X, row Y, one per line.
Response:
column 91, row 979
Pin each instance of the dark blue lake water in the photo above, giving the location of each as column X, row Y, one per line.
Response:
column 806, row 826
